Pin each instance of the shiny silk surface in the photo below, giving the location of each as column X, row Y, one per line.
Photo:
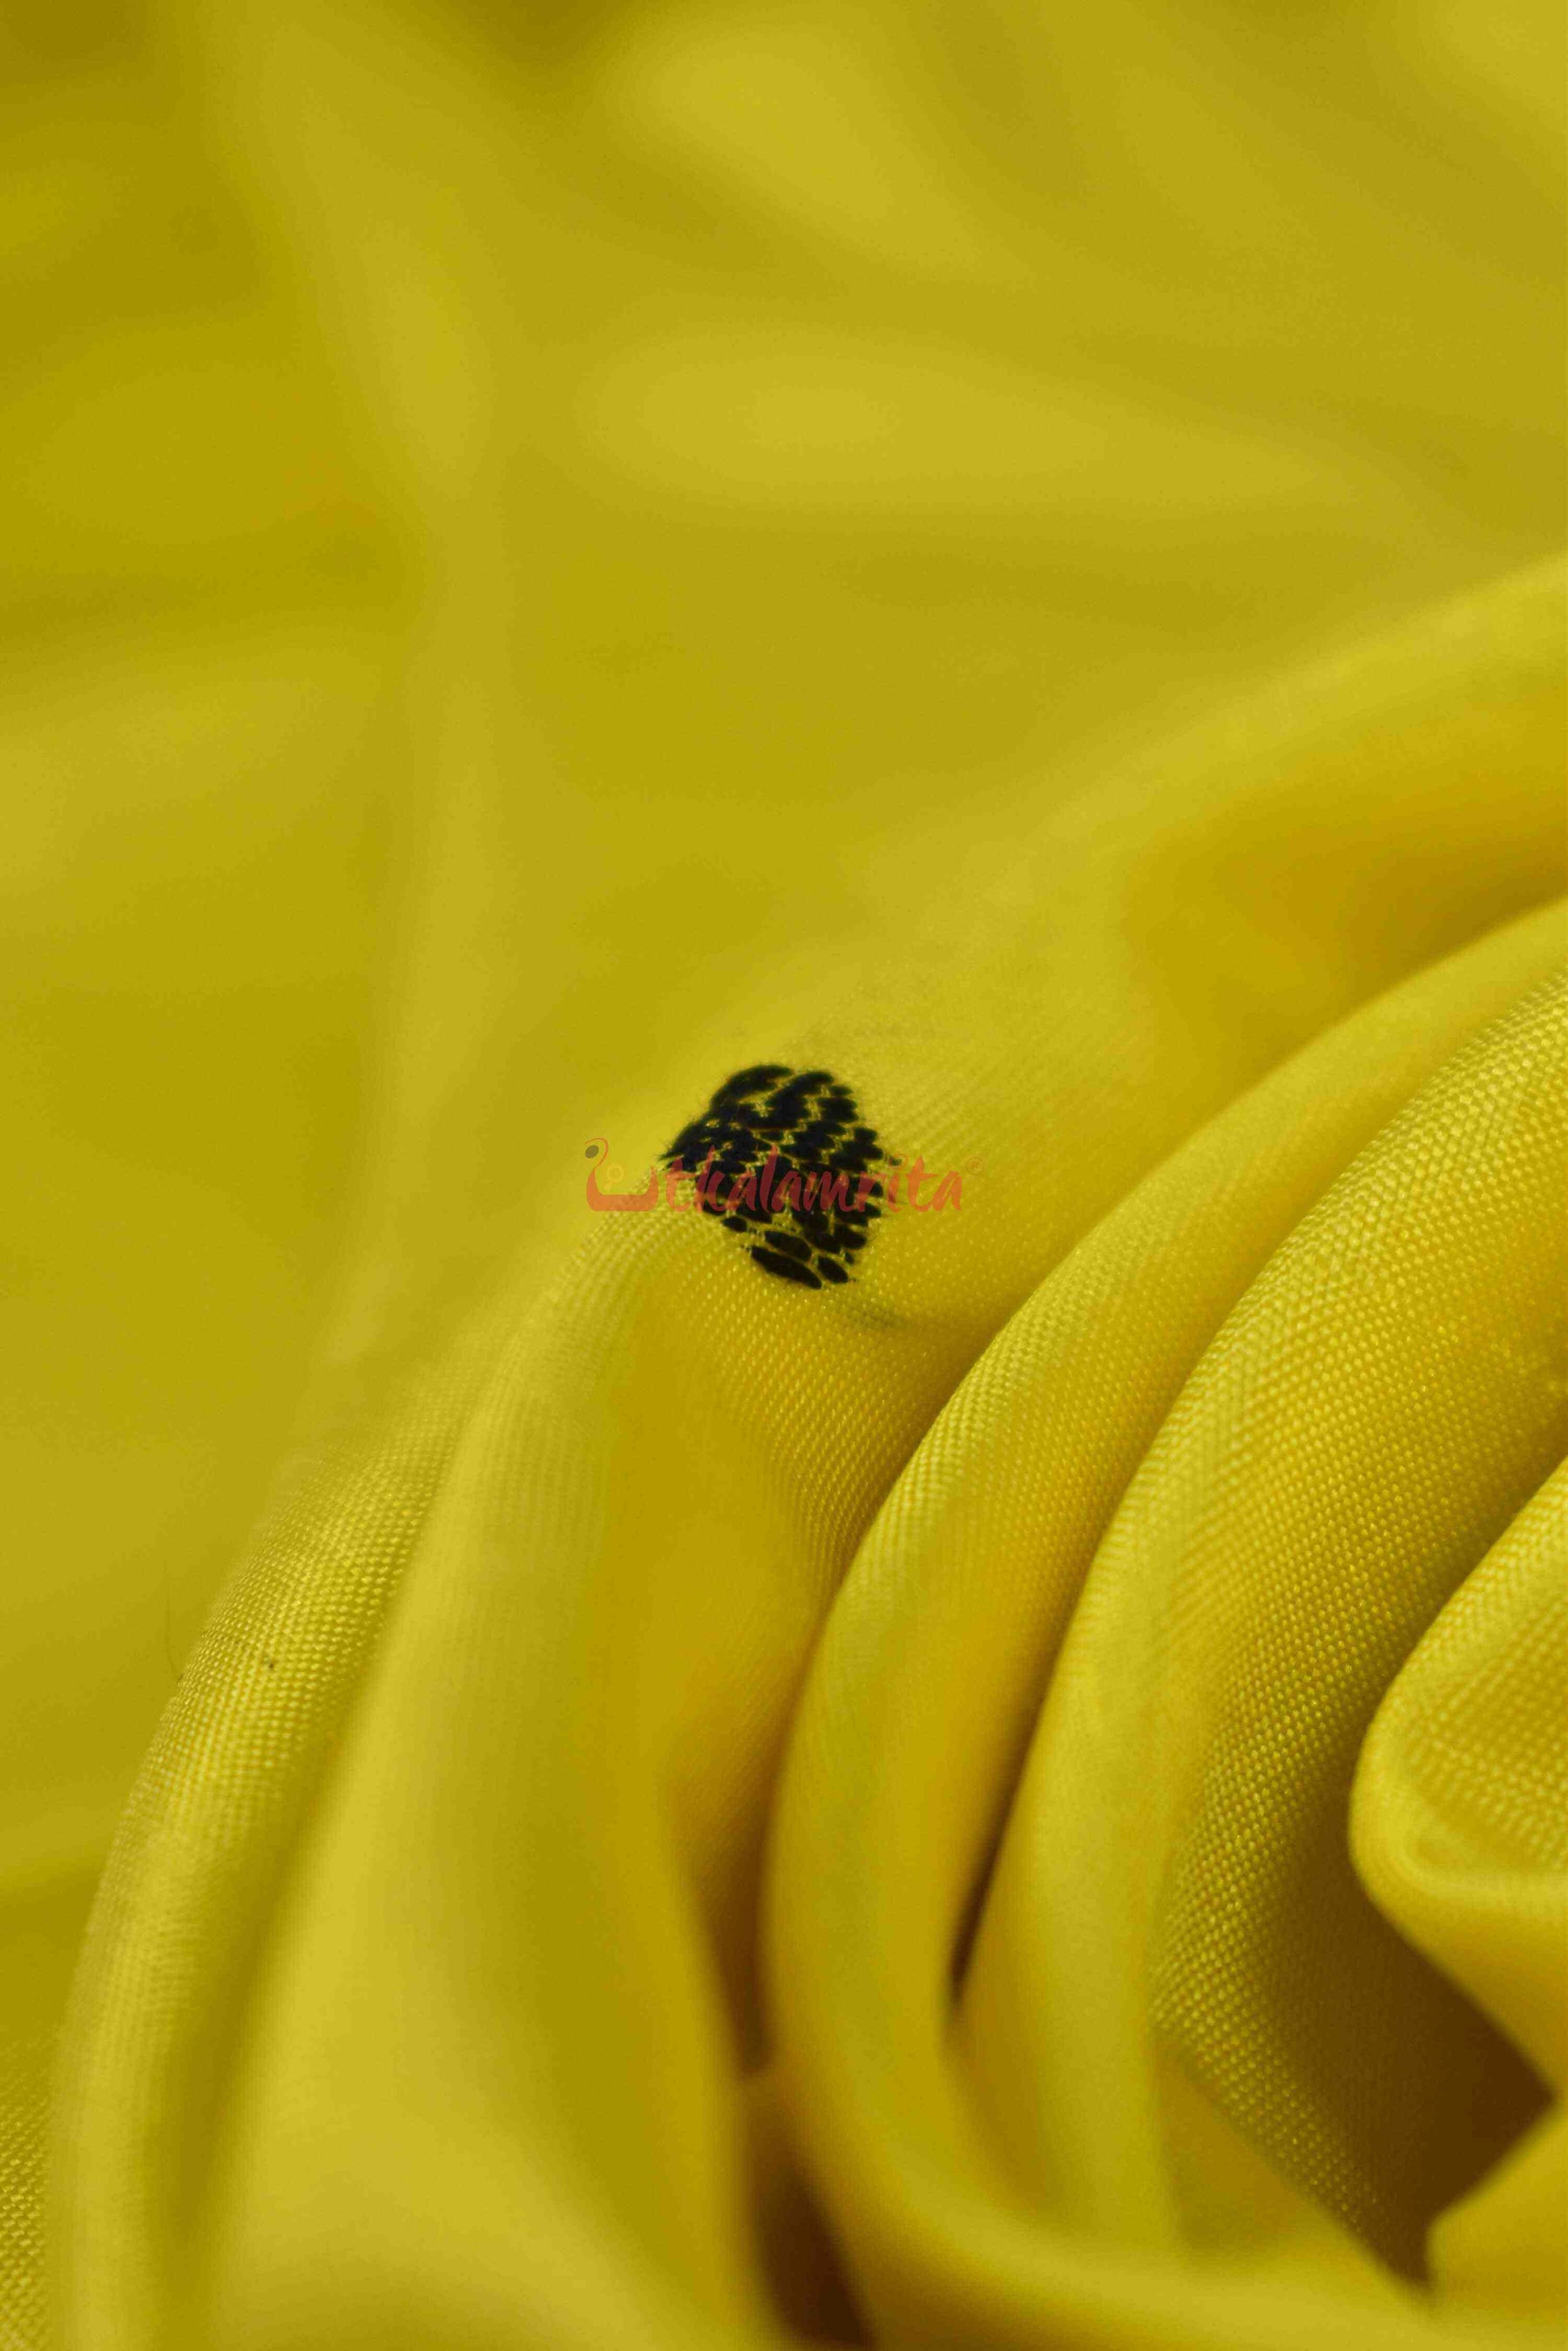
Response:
column 565, row 1784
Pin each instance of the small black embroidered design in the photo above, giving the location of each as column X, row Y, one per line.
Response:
column 783, row 1157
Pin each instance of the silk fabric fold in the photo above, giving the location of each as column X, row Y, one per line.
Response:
column 561, row 1790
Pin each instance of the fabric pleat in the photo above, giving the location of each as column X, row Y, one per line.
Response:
column 973, row 589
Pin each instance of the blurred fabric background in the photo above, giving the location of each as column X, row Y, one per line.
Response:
column 620, row 495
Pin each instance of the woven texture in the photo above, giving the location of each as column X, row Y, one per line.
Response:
column 968, row 591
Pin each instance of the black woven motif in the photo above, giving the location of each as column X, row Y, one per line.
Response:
column 783, row 1159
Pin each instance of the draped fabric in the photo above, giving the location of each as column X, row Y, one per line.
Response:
column 584, row 1775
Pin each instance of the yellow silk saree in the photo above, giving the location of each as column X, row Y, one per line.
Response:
column 784, row 1278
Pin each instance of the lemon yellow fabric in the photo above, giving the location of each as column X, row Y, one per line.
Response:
column 556, row 1791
